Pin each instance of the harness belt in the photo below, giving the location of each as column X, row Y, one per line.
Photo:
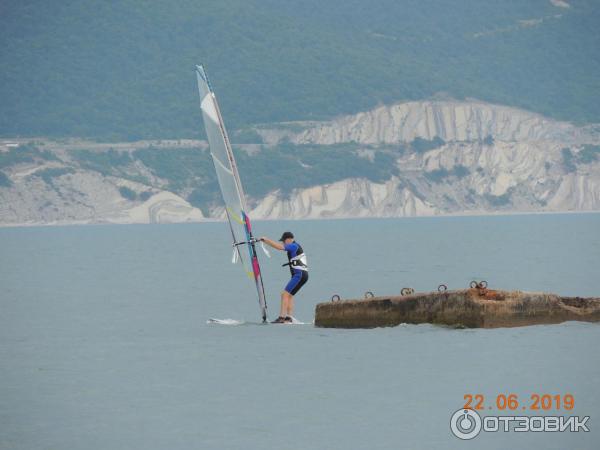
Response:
column 298, row 262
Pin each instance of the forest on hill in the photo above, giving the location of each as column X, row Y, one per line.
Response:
column 125, row 70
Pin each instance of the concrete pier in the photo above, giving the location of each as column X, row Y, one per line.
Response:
column 477, row 307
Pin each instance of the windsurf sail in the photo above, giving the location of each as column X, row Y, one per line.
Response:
column 231, row 187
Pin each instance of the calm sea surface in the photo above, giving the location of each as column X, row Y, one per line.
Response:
column 104, row 342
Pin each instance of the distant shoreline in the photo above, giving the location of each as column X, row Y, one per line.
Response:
column 431, row 216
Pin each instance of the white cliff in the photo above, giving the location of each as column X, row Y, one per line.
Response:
column 164, row 207
column 85, row 197
column 486, row 159
column 504, row 177
column 509, row 160
column 451, row 120
column 347, row 198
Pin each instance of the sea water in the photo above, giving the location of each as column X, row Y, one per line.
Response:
column 104, row 340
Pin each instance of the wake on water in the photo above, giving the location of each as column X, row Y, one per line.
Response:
column 233, row 322
column 225, row 322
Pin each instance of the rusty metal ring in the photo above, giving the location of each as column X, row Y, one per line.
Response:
column 369, row 294
column 474, row 284
column 483, row 284
column 442, row 288
column 335, row 298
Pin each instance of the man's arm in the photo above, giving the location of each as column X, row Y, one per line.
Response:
column 275, row 245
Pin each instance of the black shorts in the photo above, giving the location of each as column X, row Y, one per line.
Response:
column 298, row 280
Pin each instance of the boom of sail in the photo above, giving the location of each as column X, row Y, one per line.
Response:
column 231, row 187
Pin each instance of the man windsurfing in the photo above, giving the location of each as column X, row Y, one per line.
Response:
column 298, row 270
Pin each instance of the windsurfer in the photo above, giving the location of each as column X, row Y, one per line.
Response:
column 298, row 271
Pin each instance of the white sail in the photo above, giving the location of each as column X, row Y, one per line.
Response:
column 231, row 186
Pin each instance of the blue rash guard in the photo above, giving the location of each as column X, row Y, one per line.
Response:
column 298, row 268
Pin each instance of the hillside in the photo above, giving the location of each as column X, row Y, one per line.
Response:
column 405, row 159
column 124, row 70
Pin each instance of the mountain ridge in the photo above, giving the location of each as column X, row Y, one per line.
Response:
column 364, row 165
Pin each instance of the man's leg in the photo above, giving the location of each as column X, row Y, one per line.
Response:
column 287, row 298
column 302, row 278
column 284, row 303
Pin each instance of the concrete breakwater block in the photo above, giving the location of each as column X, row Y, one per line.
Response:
column 477, row 307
